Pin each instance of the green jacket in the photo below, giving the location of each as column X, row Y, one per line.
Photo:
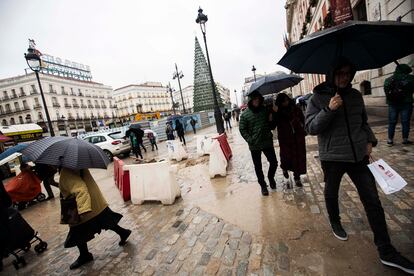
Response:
column 402, row 74
column 256, row 129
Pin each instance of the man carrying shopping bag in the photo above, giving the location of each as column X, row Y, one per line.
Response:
column 336, row 114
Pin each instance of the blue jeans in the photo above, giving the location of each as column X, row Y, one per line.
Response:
column 394, row 110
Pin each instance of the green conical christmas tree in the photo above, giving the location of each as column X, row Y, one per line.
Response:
column 203, row 95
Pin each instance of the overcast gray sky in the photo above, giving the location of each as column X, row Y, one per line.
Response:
column 133, row 41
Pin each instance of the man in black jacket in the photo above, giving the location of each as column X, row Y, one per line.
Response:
column 336, row 114
column 5, row 203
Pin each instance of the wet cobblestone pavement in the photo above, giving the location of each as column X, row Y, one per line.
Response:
column 224, row 226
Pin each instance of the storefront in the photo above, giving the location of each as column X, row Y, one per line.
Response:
column 22, row 133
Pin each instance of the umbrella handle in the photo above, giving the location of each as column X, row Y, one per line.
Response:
column 396, row 62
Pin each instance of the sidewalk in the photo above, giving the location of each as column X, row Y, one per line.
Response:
column 225, row 226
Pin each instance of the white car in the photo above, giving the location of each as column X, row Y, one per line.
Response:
column 112, row 143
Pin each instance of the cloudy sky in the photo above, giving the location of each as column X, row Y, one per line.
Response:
column 133, row 41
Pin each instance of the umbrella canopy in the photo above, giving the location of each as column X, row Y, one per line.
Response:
column 67, row 152
column 4, row 138
column 367, row 45
column 10, row 151
column 274, row 83
column 135, row 126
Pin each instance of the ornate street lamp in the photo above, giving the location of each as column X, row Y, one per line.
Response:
column 202, row 19
column 254, row 72
column 179, row 75
column 33, row 60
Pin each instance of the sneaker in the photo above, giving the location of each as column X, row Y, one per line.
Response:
column 265, row 192
column 390, row 143
column 395, row 259
column 80, row 261
column 339, row 231
column 407, row 142
column 272, row 184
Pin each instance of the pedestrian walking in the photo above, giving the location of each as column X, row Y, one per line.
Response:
column 152, row 139
column 94, row 212
column 169, row 131
column 193, row 123
column 256, row 124
column 336, row 114
column 399, row 89
column 46, row 173
column 5, row 203
column 179, row 128
column 290, row 123
column 139, row 133
column 227, row 118
column 136, row 149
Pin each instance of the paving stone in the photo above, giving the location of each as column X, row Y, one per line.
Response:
column 205, row 258
column 236, row 233
column 173, row 239
column 228, row 256
column 191, row 242
column 244, row 251
column 177, row 223
column 257, row 248
column 268, row 270
column 254, row 264
column 211, row 243
column 169, row 259
column 403, row 219
column 151, row 254
column 247, row 238
column 199, row 271
column 225, row 272
column 282, row 247
column 184, row 253
column 315, row 209
column 233, row 244
column 242, row 268
column 283, row 262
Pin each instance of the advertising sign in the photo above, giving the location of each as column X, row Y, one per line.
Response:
column 57, row 66
column 341, row 11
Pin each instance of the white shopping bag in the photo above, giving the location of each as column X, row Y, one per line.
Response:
column 388, row 179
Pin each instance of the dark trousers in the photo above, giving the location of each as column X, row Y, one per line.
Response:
column 257, row 161
column 137, row 151
column 47, row 182
column 182, row 138
column 406, row 110
column 365, row 183
column 228, row 124
column 141, row 144
column 153, row 144
column 194, row 129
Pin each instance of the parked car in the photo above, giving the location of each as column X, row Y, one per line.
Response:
column 112, row 143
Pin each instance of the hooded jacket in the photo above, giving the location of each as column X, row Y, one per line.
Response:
column 343, row 134
column 402, row 75
column 255, row 126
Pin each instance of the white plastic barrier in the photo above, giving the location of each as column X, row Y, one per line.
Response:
column 176, row 150
column 218, row 162
column 204, row 144
column 153, row 181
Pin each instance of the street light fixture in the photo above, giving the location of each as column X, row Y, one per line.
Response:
column 202, row 19
column 254, row 72
column 33, row 60
column 179, row 75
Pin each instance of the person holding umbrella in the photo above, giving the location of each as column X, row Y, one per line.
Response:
column 336, row 114
column 74, row 157
column 132, row 136
column 255, row 127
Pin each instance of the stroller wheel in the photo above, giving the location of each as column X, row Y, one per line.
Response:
column 42, row 246
column 41, row 197
column 26, row 247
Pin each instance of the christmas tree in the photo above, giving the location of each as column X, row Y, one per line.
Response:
column 203, row 94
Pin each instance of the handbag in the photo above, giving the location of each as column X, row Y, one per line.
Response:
column 69, row 210
column 387, row 178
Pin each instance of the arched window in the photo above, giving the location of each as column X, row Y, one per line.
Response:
column 365, row 87
column 21, row 120
column 4, row 122
column 12, row 122
column 28, row 118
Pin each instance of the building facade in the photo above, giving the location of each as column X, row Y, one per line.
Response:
column 307, row 16
column 188, row 96
column 142, row 98
column 74, row 105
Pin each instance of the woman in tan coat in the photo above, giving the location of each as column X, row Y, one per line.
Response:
column 93, row 210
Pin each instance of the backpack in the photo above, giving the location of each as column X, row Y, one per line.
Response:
column 395, row 93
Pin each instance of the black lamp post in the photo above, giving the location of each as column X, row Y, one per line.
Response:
column 172, row 98
column 33, row 60
column 254, row 72
column 202, row 19
column 179, row 75
column 235, row 93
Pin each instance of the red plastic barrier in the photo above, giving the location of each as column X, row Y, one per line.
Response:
column 124, row 184
column 224, row 145
column 116, row 170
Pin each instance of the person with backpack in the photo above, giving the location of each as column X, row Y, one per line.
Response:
column 227, row 118
column 399, row 89
column 153, row 140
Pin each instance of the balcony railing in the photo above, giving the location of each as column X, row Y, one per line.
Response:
column 80, row 94
column 25, row 108
column 97, row 106
column 37, row 106
column 52, row 92
column 68, row 105
column 71, row 118
column 6, row 98
column 90, row 106
column 84, row 106
column 13, row 96
column 103, row 106
column 22, row 95
column 33, row 92
column 56, row 104
column 75, row 105
column 8, row 111
column 64, row 93
column 17, row 109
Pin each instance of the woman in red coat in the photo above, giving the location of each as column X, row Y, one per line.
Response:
column 291, row 135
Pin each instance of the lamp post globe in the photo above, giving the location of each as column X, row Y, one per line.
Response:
column 202, row 19
column 34, row 63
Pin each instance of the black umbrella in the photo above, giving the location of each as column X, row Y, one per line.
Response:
column 67, row 152
column 274, row 83
column 135, row 126
column 367, row 45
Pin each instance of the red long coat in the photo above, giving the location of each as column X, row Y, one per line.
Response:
column 291, row 135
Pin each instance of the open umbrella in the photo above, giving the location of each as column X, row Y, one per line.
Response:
column 367, row 45
column 10, row 151
column 135, row 126
column 274, row 83
column 67, row 152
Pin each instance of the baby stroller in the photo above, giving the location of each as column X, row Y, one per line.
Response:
column 24, row 189
column 20, row 237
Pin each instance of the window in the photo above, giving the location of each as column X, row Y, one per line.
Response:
column 1, row 109
column 4, row 122
column 25, row 106
column 36, row 101
column 66, row 100
column 12, row 122
column 116, row 135
column 54, row 100
column 16, row 106
column 28, row 118
column 50, row 87
column 365, row 87
column 8, row 108
column 21, row 120
column 14, row 95
column 40, row 116
column 5, row 94
column 81, row 101
column 360, row 11
column 96, row 139
column 33, row 88
column 22, row 91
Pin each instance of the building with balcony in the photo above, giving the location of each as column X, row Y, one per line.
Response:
column 74, row 105
column 142, row 98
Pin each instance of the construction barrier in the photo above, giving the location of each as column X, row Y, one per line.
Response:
column 122, row 180
column 224, row 144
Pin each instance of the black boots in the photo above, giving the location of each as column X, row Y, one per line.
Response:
column 81, row 260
